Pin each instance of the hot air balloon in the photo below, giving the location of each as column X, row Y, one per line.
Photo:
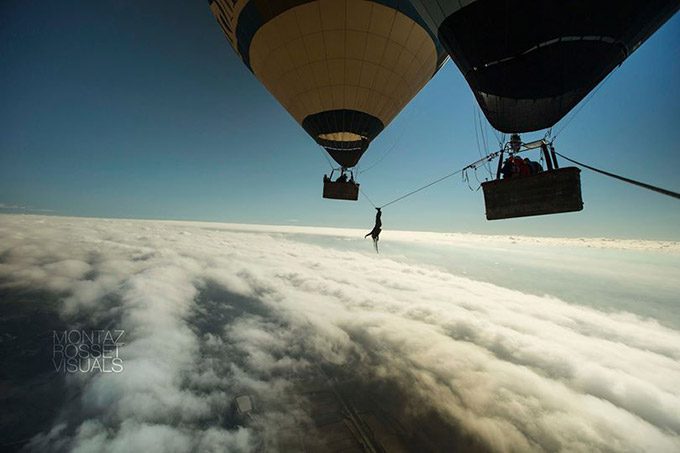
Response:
column 342, row 68
column 528, row 63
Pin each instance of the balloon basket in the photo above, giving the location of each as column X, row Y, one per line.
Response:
column 339, row 190
column 548, row 192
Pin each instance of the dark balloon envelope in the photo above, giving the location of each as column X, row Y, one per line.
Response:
column 342, row 68
column 529, row 62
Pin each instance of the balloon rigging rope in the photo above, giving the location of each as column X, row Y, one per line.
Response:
column 491, row 156
column 391, row 148
column 366, row 196
column 381, row 158
column 583, row 104
column 325, row 154
column 482, row 132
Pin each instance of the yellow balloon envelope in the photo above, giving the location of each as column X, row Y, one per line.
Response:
column 342, row 68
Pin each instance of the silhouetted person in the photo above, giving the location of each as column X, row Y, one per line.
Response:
column 342, row 178
column 536, row 167
column 521, row 168
column 515, row 143
column 375, row 232
column 508, row 169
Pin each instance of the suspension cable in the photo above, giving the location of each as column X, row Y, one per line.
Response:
column 478, row 124
column 474, row 113
column 575, row 112
column 483, row 125
column 366, row 196
column 660, row 190
column 422, row 188
column 325, row 154
column 381, row 158
column 397, row 140
column 472, row 165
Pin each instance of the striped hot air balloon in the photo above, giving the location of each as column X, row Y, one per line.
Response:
column 342, row 68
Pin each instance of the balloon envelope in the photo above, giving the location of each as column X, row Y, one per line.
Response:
column 342, row 68
column 529, row 62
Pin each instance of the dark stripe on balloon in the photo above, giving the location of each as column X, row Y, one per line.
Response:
column 345, row 153
column 257, row 13
column 346, row 158
column 335, row 121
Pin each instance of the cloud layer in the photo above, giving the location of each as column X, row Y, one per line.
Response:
column 211, row 313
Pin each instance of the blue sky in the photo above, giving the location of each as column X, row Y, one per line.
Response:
column 142, row 110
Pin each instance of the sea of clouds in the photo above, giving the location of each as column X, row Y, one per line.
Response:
column 522, row 344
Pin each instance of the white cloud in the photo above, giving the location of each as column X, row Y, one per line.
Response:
column 213, row 311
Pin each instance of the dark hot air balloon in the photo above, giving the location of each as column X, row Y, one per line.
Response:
column 529, row 62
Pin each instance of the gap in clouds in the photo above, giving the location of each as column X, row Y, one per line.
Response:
column 30, row 389
column 299, row 391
